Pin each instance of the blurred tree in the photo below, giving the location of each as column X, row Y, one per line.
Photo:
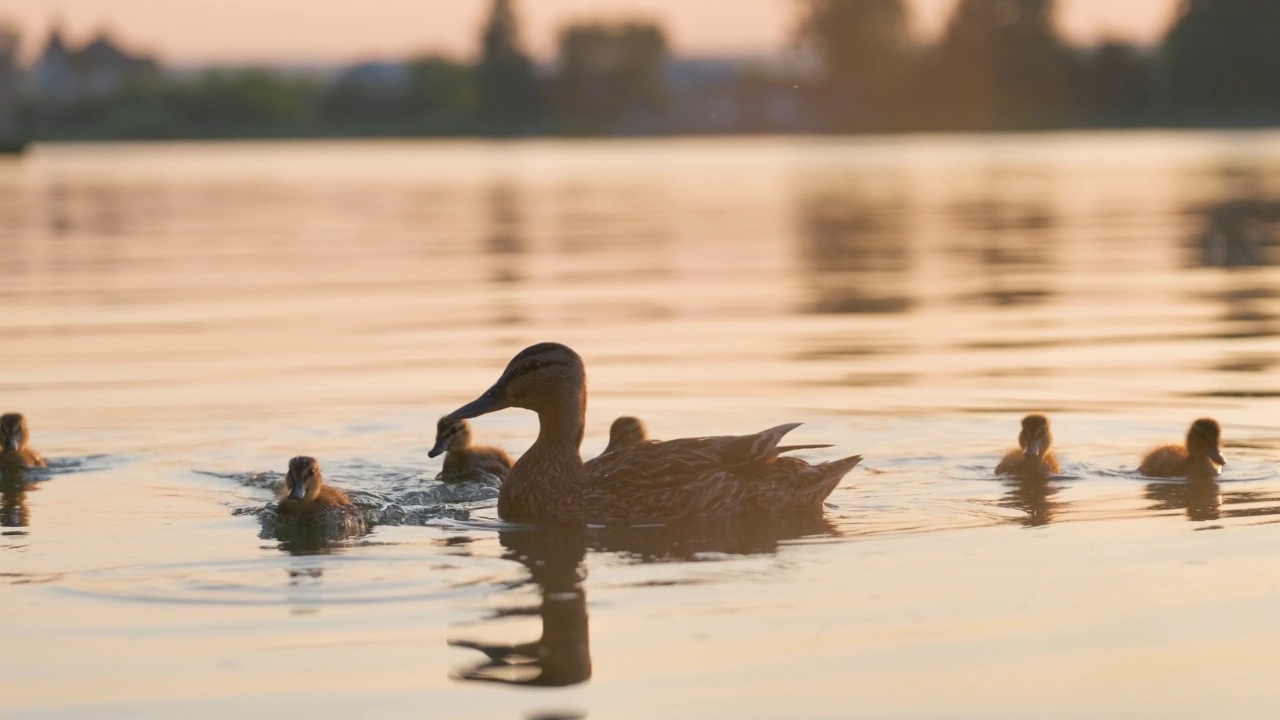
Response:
column 371, row 98
column 444, row 91
column 611, row 78
column 10, row 39
column 1118, row 83
column 247, row 103
column 1222, row 62
column 1000, row 65
column 508, row 92
column 12, row 130
column 865, row 54
column 427, row 95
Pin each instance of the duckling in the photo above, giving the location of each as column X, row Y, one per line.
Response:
column 463, row 459
column 305, row 495
column 1200, row 457
column 1032, row 456
column 720, row 476
column 13, row 443
column 625, row 432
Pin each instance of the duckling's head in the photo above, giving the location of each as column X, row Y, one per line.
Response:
column 1204, row 438
column 545, row 378
column 1035, row 438
column 304, row 479
column 625, row 432
column 451, row 435
column 13, row 432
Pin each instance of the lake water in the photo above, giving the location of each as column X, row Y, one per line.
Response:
column 182, row 319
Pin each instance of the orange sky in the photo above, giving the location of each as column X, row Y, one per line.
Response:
column 198, row 31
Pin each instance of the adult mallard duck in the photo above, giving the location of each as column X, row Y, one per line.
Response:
column 13, row 443
column 1200, row 457
column 690, row 477
column 1032, row 456
column 625, row 432
column 464, row 460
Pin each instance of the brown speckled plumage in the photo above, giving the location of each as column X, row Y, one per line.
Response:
column 1033, row 456
column 14, row 437
column 1200, row 455
column 690, row 477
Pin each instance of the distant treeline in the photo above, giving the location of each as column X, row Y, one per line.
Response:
column 999, row 64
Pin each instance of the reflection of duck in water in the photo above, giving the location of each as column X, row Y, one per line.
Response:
column 554, row 555
column 625, row 432
column 464, row 460
column 1200, row 496
column 690, row 477
column 13, row 443
column 562, row 654
column 1030, row 494
column 1032, row 458
column 307, row 502
column 13, row 498
column 1199, row 457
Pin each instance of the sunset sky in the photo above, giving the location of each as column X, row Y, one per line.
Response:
column 296, row 31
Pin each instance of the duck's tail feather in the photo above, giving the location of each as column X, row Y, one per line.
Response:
column 839, row 468
column 755, row 448
column 790, row 448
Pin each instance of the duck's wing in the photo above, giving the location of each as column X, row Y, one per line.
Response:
column 657, row 463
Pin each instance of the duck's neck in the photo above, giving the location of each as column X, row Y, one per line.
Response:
column 556, row 450
column 537, row 483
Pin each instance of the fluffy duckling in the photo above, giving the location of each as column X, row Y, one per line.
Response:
column 305, row 495
column 13, row 443
column 1032, row 456
column 462, row 460
column 625, row 432
column 1199, row 457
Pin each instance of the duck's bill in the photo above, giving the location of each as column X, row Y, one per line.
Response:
column 492, row 400
column 1032, row 450
column 439, row 447
column 11, row 444
column 1216, row 456
column 298, row 491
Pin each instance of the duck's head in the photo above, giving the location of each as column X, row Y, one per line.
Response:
column 451, row 435
column 13, row 432
column 304, row 479
column 1204, row 438
column 625, row 432
column 1035, row 438
column 544, row 378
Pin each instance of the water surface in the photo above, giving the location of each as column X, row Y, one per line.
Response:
column 182, row 319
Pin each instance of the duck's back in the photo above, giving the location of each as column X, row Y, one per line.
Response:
column 329, row 498
column 458, row 463
column 709, row 476
column 1167, row 461
column 23, row 458
column 1015, row 462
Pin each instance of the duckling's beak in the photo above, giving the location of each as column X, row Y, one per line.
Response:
column 493, row 399
column 298, row 491
column 441, row 443
column 11, row 443
column 1032, row 449
column 1216, row 455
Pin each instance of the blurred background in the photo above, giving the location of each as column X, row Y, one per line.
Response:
column 137, row 69
column 235, row 231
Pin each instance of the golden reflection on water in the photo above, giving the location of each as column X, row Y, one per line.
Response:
column 224, row 307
